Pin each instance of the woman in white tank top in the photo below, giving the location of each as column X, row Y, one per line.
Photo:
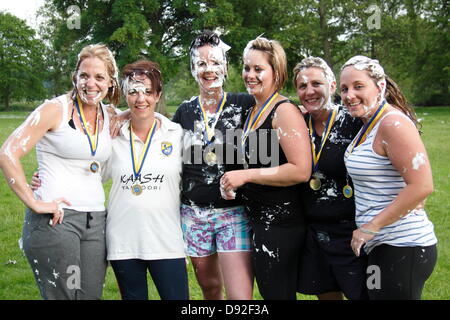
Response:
column 392, row 177
column 64, row 226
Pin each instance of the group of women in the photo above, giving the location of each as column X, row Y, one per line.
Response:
column 343, row 188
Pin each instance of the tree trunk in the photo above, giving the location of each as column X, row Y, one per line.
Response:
column 324, row 32
column 7, row 98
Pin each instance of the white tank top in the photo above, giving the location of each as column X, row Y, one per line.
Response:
column 377, row 183
column 64, row 157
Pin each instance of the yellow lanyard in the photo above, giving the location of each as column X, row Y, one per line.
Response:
column 253, row 119
column 327, row 131
column 137, row 165
column 210, row 130
column 92, row 142
column 369, row 126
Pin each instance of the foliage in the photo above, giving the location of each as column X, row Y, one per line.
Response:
column 411, row 40
column 20, row 61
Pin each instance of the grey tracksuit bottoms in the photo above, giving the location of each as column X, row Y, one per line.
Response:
column 68, row 260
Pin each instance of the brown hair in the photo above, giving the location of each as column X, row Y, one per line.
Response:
column 395, row 97
column 152, row 71
column 277, row 58
column 101, row 52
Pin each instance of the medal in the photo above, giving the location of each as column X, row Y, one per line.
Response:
column 138, row 164
column 347, row 191
column 94, row 167
column 315, row 184
column 208, row 133
column 211, row 158
column 93, row 141
column 136, row 189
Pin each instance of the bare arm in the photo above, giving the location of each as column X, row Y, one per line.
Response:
column 399, row 140
column 117, row 119
column 294, row 140
column 19, row 143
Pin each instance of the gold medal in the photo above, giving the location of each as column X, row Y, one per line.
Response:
column 136, row 189
column 315, row 184
column 347, row 191
column 94, row 167
column 211, row 158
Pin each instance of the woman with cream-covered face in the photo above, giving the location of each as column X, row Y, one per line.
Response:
column 328, row 197
column 314, row 89
column 72, row 143
column 216, row 231
column 392, row 175
column 209, row 68
column 270, row 191
column 141, row 97
column 143, row 229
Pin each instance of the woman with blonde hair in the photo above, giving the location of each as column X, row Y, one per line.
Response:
column 270, row 184
column 328, row 267
column 63, row 234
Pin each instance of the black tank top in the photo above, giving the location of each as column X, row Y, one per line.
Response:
column 269, row 204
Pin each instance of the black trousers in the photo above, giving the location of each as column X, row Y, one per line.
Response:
column 276, row 254
column 402, row 271
column 169, row 276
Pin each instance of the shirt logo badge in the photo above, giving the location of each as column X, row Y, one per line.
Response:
column 166, row 148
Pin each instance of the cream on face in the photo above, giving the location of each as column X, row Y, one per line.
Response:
column 92, row 80
column 257, row 72
column 359, row 93
column 139, row 93
column 373, row 68
column 133, row 87
column 313, row 89
column 208, row 66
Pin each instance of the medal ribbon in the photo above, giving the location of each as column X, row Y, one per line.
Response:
column 93, row 142
column 369, row 126
column 138, row 165
column 327, row 131
column 210, row 130
column 252, row 119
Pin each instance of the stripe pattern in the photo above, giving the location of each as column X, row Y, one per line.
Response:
column 377, row 183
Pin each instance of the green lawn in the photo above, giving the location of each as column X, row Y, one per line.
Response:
column 16, row 278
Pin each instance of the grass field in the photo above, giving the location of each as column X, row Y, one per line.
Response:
column 16, row 278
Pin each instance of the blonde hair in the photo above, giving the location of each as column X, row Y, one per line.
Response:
column 101, row 52
column 277, row 58
column 314, row 62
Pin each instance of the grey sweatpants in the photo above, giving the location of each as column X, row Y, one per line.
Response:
column 68, row 260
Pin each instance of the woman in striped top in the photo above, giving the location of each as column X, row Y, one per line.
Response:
column 391, row 173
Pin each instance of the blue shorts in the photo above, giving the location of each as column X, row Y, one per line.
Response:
column 210, row 230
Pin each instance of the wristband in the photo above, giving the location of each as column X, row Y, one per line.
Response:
column 366, row 231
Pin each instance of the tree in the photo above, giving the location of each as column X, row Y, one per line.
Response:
column 20, row 61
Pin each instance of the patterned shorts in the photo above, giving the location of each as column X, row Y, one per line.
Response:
column 210, row 230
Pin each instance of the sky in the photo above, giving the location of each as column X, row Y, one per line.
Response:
column 24, row 9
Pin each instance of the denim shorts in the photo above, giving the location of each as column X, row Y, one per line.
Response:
column 210, row 230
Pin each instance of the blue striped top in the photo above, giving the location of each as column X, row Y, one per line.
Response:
column 377, row 183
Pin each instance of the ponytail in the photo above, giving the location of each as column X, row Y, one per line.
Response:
column 398, row 100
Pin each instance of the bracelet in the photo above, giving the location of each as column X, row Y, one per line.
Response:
column 366, row 231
